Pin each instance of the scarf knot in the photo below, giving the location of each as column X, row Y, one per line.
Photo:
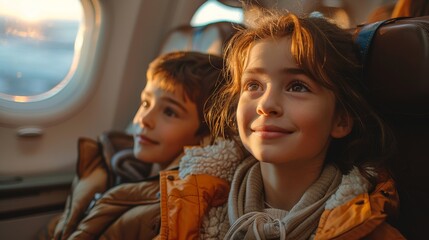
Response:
column 250, row 219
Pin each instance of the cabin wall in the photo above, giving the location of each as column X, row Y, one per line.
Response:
column 132, row 34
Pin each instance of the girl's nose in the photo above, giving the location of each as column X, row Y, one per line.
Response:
column 269, row 104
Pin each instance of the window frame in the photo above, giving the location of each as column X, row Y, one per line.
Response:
column 68, row 100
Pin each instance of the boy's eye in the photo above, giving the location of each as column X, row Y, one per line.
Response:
column 170, row 112
column 298, row 86
column 145, row 104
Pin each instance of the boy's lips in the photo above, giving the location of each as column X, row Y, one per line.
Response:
column 144, row 139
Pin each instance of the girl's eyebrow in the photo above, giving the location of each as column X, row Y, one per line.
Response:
column 295, row 71
column 255, row 70
column 258, row 70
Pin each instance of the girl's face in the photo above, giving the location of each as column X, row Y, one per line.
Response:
column 284, row 116
column 164, row 124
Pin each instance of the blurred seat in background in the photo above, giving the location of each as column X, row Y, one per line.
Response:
column 400, row 8
column 210, row 38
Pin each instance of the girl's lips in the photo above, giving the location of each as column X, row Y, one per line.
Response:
column 269, row 135
column 270, row 128
column 270, row 132
column 145, row 140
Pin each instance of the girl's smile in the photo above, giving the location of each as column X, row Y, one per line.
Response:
column 270, row 131
column 283, row 115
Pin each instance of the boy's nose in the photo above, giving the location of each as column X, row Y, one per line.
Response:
column 147, row 120
column 144, row 118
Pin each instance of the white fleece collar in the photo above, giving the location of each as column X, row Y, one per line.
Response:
column 220, row 160
column 351, row 186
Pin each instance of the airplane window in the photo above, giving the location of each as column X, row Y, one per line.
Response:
column 49, row 55
column 214, row 11
column 40, row 43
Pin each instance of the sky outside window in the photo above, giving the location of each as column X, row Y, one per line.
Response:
column 38, row 45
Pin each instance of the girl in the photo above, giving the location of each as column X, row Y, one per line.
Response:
column 317, row 148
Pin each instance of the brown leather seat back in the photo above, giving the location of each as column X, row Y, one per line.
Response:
column 396, row 70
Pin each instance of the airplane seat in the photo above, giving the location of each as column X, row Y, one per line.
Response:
column 396, row 72
column 210, row 38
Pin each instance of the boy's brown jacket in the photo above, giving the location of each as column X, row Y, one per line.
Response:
column 132, row 210
column 118, row 213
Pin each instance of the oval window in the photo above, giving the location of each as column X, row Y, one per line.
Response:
column 49, row 58
column 40, row 42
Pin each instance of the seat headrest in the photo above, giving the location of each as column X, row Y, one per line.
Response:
column 396, row 64
column 210, row 38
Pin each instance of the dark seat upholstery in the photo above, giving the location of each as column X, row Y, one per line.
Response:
column 397, row 75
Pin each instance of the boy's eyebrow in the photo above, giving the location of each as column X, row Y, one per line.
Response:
column 169, row 100
column 175, row 102
column 144, row 93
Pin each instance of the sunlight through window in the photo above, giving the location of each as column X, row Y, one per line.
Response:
column 214, row 11
column 39, row 46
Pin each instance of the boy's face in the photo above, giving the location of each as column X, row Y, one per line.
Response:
column 164, row 124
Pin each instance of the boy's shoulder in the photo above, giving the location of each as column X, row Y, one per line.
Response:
column 219, row 159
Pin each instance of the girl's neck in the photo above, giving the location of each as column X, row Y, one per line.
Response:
column 284, row 185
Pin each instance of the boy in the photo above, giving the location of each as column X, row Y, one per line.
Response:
column 171, row 116
column 171, row 113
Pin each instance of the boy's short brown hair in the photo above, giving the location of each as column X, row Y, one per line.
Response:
column 199, row 74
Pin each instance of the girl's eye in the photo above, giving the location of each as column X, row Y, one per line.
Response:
column 170, row 112
column 298, row 86
column 252, row 86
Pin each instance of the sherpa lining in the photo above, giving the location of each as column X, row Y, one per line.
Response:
column 351, row 186
column 219, row 160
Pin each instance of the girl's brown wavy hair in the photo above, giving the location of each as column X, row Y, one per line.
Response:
column 329, row 56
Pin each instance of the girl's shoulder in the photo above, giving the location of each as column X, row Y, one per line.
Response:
column 370, row 207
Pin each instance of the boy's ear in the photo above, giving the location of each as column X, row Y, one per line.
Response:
column 343, row 125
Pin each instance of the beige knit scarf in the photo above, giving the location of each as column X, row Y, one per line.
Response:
column 246, row 206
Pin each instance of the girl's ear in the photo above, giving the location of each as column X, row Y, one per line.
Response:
column 343, row 125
